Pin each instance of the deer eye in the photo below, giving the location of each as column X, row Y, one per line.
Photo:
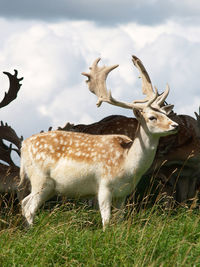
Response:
column 152, row 118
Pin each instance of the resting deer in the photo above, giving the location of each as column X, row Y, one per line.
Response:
column 106, row 166
column 9, row 181
column 9, row 172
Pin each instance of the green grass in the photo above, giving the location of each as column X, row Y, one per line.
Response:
column 71, row 235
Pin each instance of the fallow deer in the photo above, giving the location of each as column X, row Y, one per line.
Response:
column 9, row 183
column 9, row 172
column 106, row 166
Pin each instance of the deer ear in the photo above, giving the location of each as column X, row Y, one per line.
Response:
column 137, row 113
column 167, row 109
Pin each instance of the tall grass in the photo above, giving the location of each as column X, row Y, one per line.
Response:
column 71, row 235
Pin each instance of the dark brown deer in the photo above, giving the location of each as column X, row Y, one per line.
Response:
column 9, row 172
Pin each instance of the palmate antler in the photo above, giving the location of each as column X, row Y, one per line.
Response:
column 8, row 134
column 97, row 82
column 13, row 88
column 147, row 89
column 97, row 85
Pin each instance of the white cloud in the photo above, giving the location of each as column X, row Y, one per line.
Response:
column 51, row 57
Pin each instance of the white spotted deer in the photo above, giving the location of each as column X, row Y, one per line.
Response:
column 106, row 166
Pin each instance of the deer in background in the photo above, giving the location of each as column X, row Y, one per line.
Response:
column 106, row 166
column 177, row 161
column 9, row 172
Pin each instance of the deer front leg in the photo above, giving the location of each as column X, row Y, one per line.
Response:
column 104, row 200
column 118, row 205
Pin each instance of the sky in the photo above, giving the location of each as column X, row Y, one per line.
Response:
column 51, row 42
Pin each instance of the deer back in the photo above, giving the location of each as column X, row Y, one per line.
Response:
column 47, row 150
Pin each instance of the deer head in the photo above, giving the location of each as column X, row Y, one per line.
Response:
column 150, row 112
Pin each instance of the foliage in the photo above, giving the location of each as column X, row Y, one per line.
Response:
column 71, row 235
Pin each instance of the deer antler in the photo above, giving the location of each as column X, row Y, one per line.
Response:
column 147, row 88
column 5, row 153
column 97, row 85
column 198, row 119
column 97, row 82
column 13, row 88
column 8, row 134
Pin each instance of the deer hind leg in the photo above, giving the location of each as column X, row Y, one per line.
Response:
column 38, row 195
column 104, row 200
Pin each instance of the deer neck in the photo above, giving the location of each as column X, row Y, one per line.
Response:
column 141, row 153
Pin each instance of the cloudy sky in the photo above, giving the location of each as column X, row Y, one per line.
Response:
column 51, row 42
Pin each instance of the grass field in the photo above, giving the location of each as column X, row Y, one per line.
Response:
column 71, row 235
